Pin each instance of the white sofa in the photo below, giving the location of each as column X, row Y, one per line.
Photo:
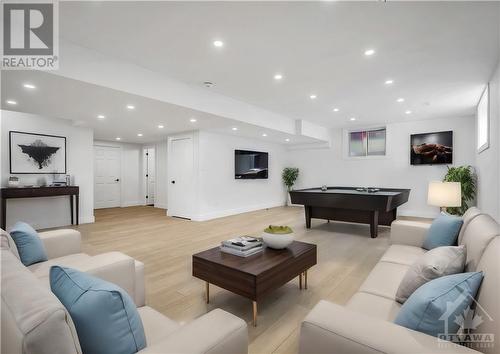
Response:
column 365, row 324
column 33, row 320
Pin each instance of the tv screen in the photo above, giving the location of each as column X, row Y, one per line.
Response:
column 431, row 148
column 250, row 164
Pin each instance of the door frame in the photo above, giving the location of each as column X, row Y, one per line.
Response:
column 145, row 189
column 194, row 136
column 121, row 169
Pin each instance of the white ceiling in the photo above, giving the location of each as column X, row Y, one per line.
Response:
column 439, row 54
column 59, row 97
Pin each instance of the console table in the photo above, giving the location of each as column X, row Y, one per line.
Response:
column 36, row 192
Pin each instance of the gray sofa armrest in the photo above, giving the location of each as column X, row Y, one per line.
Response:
column 59, row 243
column 410, row 233
column 334, row 329
column 217, row 332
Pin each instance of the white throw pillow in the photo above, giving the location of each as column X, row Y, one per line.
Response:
column 438, row 262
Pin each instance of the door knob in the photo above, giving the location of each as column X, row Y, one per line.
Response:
column 173, row 182
column 117, row 180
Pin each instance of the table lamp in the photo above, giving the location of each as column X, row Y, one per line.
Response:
column 444, row 194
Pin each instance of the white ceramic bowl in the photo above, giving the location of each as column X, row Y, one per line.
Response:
column 277, row 241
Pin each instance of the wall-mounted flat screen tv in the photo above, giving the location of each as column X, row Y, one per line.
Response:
column 431, row 148
column 250, row 164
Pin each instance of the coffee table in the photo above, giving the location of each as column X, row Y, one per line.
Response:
column 255, row 276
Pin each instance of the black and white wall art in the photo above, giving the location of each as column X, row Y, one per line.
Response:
column 37, row 153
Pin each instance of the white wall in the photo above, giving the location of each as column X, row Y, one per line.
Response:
column 219, row 193
column 53, row 211
column 131, row 172
column 161, row 175
column 330, row 167
column 488, row 161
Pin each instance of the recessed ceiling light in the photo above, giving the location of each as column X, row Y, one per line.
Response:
column 130, row 106
column 12, row 102
column 234, row 128
column 192, row 120
column 264, row 134
column 118, row 138
column 335, row 109
column 278, row 77
column 369, row 52
column 313, row 97
column 100, row 116
column 161, row 126
column 287, row 140
column 408, row 112
column 352, row 119
column 140, row 134
column 29, row 86
column 400, row 100
column 389, row 82
column 218, row 43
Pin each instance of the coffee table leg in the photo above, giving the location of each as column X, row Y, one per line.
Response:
column 207, row 291
column 254, row 305
column 300, row 281
column 305, row 279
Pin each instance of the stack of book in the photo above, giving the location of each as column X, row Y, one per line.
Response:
column 243, row 246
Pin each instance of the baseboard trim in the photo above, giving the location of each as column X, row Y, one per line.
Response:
column 161, row 206
column 229, row 212
column 87, row 219
column 131, row 203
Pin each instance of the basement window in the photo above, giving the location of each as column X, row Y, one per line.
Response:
column 483, row 122
column 367, row 142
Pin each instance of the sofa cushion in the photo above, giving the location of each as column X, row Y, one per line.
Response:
column 434, row 307
column 479, row 233
column 29, row 245
column 402, row 254
column 384, row 279
column 436, row 263
column 6, row 242
column 156, row 325
column 33, row 320
column 42, row 270
column 373, row 305
column 105, row 316
column 443, row 231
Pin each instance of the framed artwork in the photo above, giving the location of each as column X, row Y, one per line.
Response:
column 31, row 153
column 431, row 148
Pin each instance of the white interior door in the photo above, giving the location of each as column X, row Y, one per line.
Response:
column 149, row 170
column 180, row 191
column 107, row 171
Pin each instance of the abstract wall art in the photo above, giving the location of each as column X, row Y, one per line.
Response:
column 37, row 153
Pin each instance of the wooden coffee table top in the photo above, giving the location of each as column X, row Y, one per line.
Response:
column 258, row 263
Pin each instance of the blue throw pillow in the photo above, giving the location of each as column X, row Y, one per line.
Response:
column 433, row 307
column 443, row 231
column 28, row 243
column 105, row 317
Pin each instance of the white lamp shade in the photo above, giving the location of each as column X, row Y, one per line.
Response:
column 444, row 194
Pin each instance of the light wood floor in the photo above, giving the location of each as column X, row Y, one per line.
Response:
column 346, row 254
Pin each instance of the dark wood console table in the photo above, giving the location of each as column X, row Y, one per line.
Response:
column 35, row 192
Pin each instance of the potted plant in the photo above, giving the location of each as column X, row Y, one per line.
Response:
column 467, row 179
column 278, row 237
column 289, row 176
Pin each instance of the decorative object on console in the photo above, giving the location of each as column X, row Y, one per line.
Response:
column 465, row 176
column 431, row 148
column 278, row 237
column 37, row 153
column 434, row 307
column 28, row 244
column 105, row 317
column 436, row 263
column 444, row 194
column 444, row 231
column 13, row 182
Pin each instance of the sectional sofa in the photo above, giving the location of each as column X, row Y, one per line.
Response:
column 33, row 320
column 365, row 324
